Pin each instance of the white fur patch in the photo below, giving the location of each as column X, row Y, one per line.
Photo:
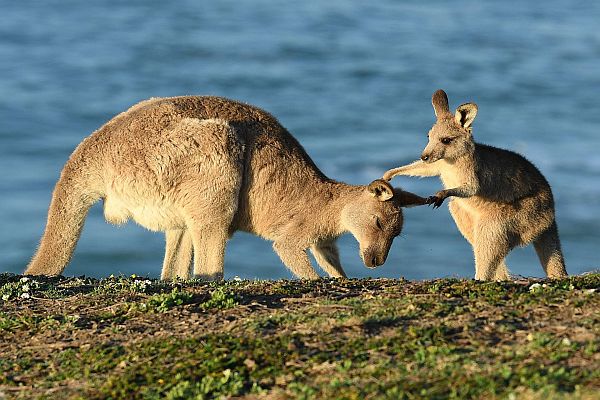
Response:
column 151, row 215
column 217, row 121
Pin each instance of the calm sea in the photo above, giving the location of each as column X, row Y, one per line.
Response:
column 351, row 80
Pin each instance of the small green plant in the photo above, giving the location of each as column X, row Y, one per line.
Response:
column 121, row 284
column 220, row 298
column 24, row 288
column 162, row 302
column 226, row 383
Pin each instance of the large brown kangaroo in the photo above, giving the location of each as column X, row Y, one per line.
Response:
column 201, row 168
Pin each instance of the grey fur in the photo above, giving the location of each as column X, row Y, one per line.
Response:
column 500, row 199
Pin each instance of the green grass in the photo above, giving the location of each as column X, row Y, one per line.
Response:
column 338, row 339
column 162, row 302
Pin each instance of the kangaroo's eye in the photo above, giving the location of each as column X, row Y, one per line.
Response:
column 446, row 140
column 378, row 223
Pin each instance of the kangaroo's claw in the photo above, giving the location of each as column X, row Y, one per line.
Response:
column 436, row 200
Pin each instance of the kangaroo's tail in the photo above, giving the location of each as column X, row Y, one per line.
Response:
column 547, row 247
column 73, row 196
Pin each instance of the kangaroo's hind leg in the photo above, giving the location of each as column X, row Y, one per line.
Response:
column 209, row 197
column 209, row 251
column 491, row 246
column 465, row 222
column 328, row 257
column 178, row 254
column 547, row 247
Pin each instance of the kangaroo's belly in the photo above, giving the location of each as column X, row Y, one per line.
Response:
column 152, row 213
column 472, row 208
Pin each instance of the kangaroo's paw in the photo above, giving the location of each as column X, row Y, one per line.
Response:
column 437, row 199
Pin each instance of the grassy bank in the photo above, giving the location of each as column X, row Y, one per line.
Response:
column 346, row 339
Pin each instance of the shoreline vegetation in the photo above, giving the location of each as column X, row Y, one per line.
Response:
column 139, row 338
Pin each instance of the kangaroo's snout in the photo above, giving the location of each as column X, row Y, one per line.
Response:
column 430, row 156
column 372, row 259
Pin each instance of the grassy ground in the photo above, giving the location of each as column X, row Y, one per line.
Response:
column 332, row 339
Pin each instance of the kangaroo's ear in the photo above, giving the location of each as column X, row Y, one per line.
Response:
column 408, row 199
column 465, row 115
column 439, row 100
column 381, row 190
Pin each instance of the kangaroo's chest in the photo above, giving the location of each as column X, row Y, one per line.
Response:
column 452, row 176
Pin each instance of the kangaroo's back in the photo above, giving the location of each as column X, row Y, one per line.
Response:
column 149, row 121
column 151, row 130
column 505, row 176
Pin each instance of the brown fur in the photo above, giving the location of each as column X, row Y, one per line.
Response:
column 500, row 201
column 201, row 168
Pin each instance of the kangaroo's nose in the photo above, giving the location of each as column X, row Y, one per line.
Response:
column 425, row 157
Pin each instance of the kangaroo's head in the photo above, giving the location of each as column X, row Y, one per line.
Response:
column 374, row 217
column 450, row 137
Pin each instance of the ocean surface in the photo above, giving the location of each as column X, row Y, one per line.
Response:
column 351, row 80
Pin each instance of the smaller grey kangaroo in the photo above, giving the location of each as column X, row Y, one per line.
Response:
column 201, row 168
column 501, row 200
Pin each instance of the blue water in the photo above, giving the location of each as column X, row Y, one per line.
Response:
column 351, row 80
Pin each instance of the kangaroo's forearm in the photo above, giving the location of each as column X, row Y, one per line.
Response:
column 461, row 191
column 417, row 168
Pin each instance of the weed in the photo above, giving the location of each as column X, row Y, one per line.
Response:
column 220, row 298
column 163, row 302
column 24, row 288
column 210, row 386
column 121, row 284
